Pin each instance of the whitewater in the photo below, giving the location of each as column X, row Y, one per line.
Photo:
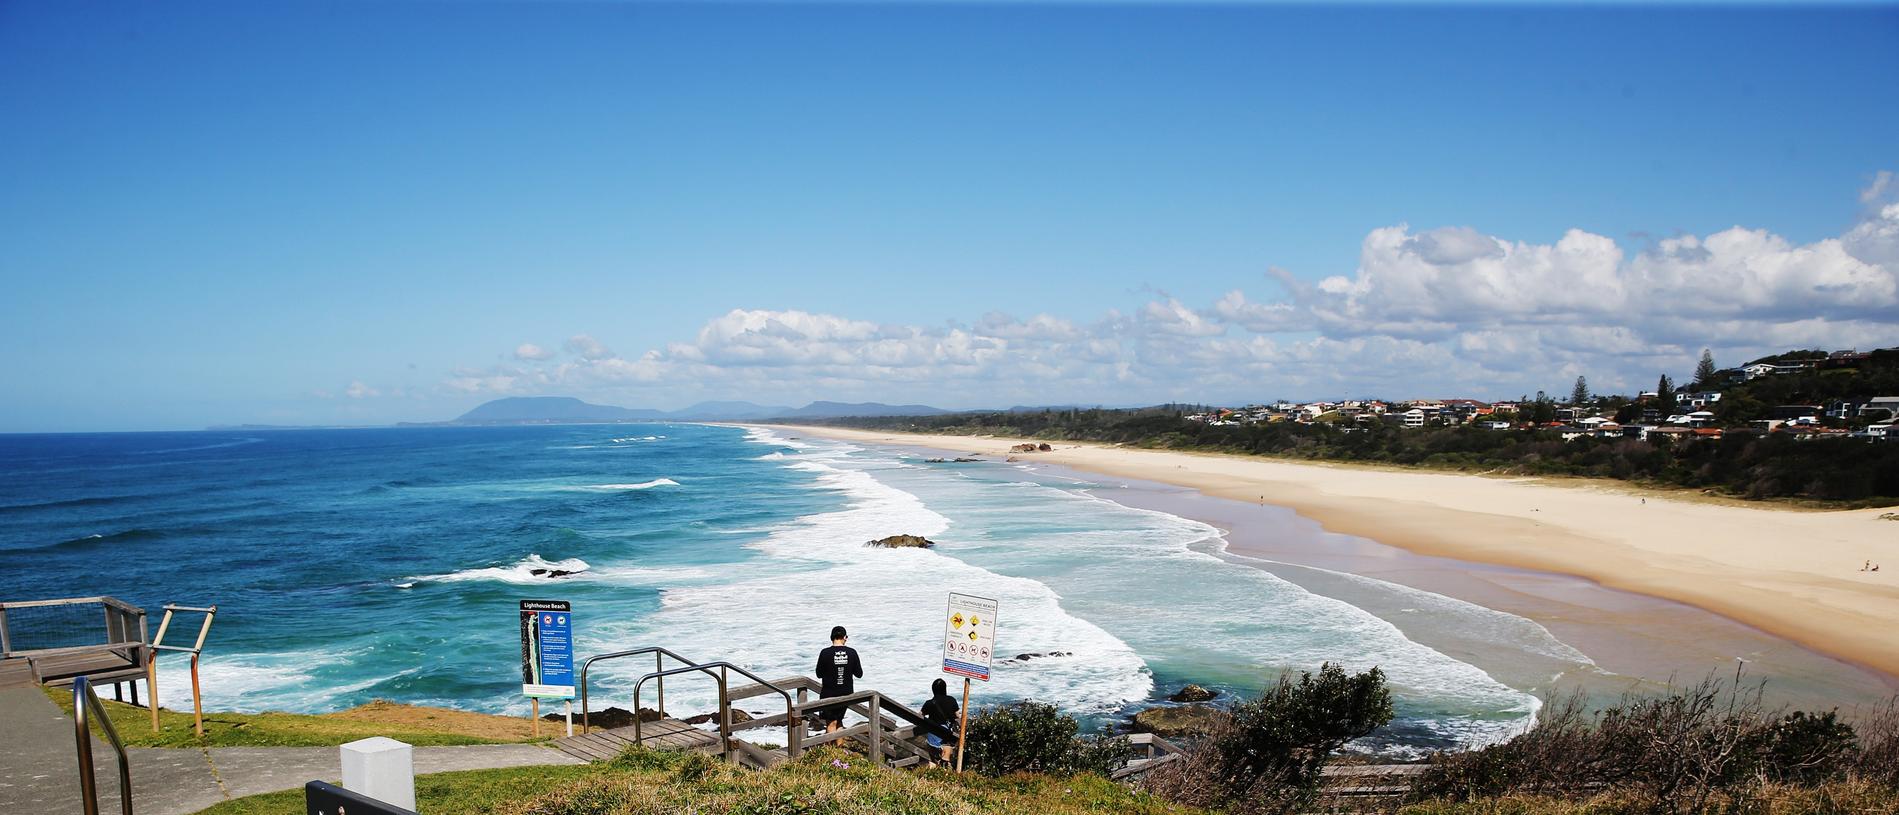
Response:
column 386, row 564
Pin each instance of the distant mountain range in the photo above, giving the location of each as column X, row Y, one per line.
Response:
column 561, row 409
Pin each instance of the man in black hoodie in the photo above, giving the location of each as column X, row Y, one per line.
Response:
column 838, row 669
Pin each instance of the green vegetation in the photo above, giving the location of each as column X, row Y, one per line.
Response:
column 417, row 726
column 827, row 781
column 1708, row 748
column 1743, row 466
column 1032, row 736
column 1269, row 754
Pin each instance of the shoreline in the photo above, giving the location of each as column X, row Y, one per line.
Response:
column 1790, row 573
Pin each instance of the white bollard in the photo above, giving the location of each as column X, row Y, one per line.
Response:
column 381, row 768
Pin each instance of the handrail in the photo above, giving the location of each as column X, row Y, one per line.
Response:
column 658, row 655
column 792, row 722
column 83, row 700
column 195, row 650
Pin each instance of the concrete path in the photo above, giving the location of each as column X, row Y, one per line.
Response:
column 38, row 765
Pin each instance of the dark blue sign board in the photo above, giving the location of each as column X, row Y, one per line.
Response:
column 547, row 649
column 328, row 799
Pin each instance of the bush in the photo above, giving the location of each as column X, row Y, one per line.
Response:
column 1032, row 736
column 1269, row 754
column 1676, row 753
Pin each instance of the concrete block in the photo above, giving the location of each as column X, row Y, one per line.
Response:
column 381, row 768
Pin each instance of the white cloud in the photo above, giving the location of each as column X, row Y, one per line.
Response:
column 529, row 352
column 358, row 390
column 1446, row 312
column 586, row 347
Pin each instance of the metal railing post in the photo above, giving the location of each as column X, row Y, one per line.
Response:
column 85, row 705
column 658, row 665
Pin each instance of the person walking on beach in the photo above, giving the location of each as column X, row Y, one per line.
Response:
column 940, row 712
column 838, row 670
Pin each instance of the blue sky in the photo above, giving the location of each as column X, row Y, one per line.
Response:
column 361, row 212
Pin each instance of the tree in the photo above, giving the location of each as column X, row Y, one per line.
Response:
column 1581, row 394
column 1665, row 397
column 1704, row 370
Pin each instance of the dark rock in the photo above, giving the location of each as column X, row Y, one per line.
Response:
column 1175, row 722
column 738, row 716
column 903, row 542
column 1192, row 693
column 1027, row 657
column 551, row 572
column 1043, row 447
column 610, row 718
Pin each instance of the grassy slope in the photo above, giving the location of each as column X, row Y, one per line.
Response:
column 652, row 783
column 417, row 726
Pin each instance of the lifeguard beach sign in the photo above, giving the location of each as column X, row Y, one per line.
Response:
column 969, row 636
column 547, row 649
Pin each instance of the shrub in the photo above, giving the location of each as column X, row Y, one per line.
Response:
column 1035, row 736
column 1268, row 755
column 1676, row 753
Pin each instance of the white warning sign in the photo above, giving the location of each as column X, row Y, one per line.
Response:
column 969, row 636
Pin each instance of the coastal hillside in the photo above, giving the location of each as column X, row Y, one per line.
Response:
column 1809, row 425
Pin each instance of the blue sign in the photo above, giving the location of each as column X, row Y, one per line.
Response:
column 547, row 649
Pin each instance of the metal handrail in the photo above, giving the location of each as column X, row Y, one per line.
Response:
column 83, row 700
column 659, row 654
column 196, row 650
column 792, row 722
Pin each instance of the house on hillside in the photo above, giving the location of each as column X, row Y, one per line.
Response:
column 1699, row 399
column 1798, row 414
column 1881, row 405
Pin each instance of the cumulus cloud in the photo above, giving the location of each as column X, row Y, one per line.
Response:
column 1447, row 312
column 529, row 352
column 358, row 390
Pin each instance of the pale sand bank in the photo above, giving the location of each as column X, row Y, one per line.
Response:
column 1792, row 573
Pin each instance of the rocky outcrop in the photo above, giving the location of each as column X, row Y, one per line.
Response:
column 1176, row 722
column 610, row 718
column 552, row 572
column 738, row 717
column 903, row 542
column 1027, row 657
column 1192, row 693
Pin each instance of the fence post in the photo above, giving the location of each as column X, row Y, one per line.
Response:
column 876, row 729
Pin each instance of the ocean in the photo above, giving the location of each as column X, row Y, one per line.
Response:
column 351, row 565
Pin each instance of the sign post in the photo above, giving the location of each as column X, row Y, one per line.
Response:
column 969, row 644
column 547, row 654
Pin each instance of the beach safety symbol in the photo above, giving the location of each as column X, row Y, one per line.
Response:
column 969, row 636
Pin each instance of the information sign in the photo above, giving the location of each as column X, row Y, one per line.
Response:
column 969, row 636
column 547, row 649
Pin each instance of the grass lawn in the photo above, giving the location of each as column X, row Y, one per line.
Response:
column 419, row 726
column 824, row 781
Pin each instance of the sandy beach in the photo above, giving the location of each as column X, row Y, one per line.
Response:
column 1792, row 573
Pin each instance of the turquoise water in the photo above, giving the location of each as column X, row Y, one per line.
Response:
column 352, row 565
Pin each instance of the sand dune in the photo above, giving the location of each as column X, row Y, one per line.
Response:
column 1793, row 573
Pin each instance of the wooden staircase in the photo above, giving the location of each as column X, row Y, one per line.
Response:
column 891, row 733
